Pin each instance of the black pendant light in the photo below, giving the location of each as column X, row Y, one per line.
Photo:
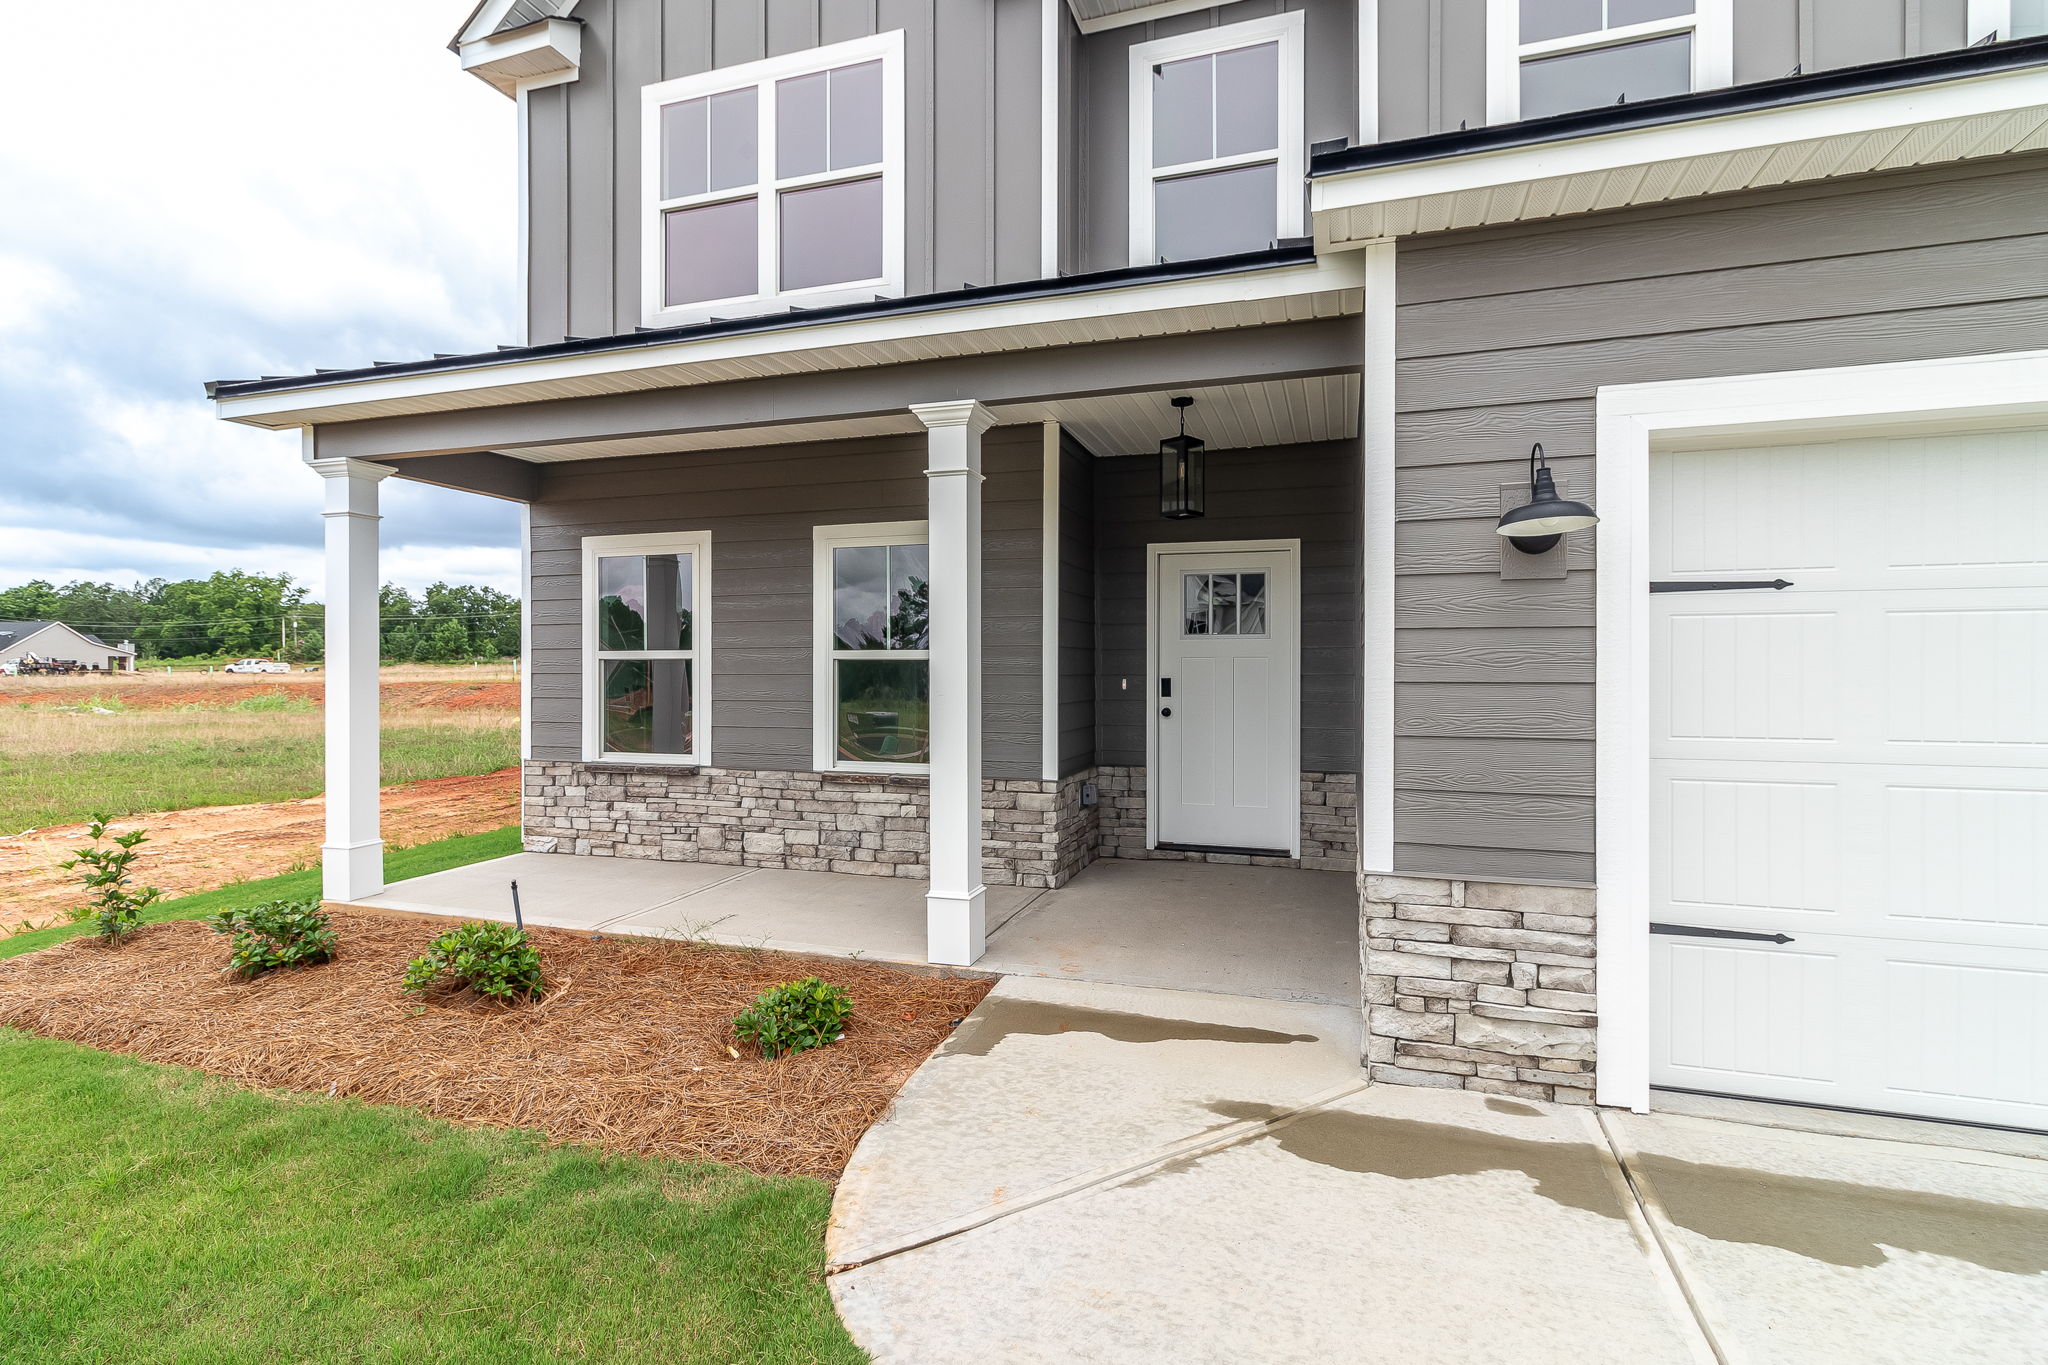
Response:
column 1180, row 469
column 1541, row 522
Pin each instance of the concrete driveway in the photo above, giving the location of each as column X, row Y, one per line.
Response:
column 1106, row 1173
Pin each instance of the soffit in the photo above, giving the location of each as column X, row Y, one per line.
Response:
column 1225, row 416
column 1921, row 125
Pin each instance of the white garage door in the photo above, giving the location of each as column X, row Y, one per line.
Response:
column 1857, row 763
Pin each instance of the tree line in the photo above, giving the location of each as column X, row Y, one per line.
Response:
column 232, row 613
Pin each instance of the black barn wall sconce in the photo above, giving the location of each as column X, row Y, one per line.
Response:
column 1540, row 523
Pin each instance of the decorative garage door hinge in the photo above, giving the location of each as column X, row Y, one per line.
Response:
column 1724, row 585
column 1698, row 931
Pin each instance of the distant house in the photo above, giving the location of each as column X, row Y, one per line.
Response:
column 24, row 640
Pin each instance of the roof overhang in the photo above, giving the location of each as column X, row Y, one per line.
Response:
column 1115, row 306
column 546, row 53
column 1926, row 111
column 1092, row 16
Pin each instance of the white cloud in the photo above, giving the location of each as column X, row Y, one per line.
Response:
column 243, row 187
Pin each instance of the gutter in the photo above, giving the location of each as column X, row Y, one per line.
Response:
column 1787, row 91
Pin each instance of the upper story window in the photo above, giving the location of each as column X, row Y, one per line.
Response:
column 777, row 182
column 1553, row 56
column 1217, row 140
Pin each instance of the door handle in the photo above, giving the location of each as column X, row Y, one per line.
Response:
column 1166, row 710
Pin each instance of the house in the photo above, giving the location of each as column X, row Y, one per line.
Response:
column 855, row 330
column 53, row 641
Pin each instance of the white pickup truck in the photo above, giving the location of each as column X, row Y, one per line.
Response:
column 258, row 666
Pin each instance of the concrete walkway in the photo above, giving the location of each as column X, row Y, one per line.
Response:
column 1090, row 1173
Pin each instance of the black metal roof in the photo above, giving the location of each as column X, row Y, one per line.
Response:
column 1983, row 60
column 1296, row 251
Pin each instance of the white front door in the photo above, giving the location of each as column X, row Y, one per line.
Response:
column 1857, row 763
column 1225, row 700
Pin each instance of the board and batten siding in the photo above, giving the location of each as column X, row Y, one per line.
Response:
column 1432, row 53
column 760, row 506
column 1504, row 337
column 1098, row 196
column 1304, row 492
column 971, row 126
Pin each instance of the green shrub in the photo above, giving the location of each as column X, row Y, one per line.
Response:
column 115, row 910
column 275, row 934
column 794, row 1016
column 493, row 959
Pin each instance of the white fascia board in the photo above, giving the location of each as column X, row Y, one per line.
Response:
column 793, row 350
column 534, row 57
column 1755, row 132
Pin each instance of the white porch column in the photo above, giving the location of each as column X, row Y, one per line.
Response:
column 956, row 917
column 352, row 858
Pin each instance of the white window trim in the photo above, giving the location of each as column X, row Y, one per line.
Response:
column 1711, row 23
column 1630, row 421
column 698, row 544
column 1287, row 30
column 824, row 696
column 888, row 48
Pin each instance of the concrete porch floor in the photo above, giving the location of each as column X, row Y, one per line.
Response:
column 1266, row 932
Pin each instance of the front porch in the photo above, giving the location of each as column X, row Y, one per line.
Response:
column 1276, row 933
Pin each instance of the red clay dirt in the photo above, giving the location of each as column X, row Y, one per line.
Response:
column 211, row 846
column 148, row 694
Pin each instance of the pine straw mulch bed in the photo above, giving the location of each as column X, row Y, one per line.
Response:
column 626, row 1050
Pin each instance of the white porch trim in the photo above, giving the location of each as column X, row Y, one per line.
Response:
column 1632, row 420
column 352, row 858
column 956, row 912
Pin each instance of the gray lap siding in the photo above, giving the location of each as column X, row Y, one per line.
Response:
column 1504, row 337
column 760, row 506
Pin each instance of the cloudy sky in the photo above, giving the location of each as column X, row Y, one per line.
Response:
column 221, row 190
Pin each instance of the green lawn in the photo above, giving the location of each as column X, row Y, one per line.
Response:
column 58, row 767
column 150, row 1213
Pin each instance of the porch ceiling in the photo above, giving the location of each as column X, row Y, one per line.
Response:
column 1226, row 416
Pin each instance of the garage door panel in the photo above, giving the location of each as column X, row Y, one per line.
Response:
column 1967, row 855
column 1717, row 658
column 2000, row 1011
column 1858, row 761
column 1975, row 500
column 1735, row 1014
column 1789, row 833
column 1960, row 676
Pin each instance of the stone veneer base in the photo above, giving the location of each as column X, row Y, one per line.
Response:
column 1479, row 986
column 1036, row 833
column 1329, row 823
